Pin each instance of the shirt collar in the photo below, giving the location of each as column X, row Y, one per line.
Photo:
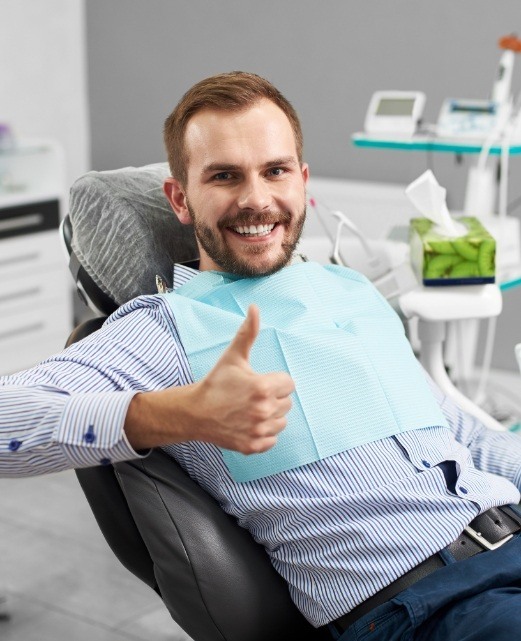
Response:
column 182, row 274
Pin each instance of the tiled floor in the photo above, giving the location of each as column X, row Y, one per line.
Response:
column 61, row 580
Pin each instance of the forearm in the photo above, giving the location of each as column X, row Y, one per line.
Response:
column 154, row 419
column 44, row 430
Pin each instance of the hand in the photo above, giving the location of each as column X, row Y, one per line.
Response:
column 242, row 410
column 232, row 406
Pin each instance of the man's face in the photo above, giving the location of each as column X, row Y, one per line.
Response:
column 245, row 191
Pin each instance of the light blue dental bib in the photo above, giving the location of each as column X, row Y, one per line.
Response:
column 356, row 377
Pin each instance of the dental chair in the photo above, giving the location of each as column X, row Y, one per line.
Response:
column 217, row 583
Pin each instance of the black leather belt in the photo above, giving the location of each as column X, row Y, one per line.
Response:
column 488, row 531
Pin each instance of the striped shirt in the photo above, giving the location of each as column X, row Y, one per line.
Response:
column 338, row 530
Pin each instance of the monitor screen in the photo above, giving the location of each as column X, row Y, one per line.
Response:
column 457, row 107
column 395, row 107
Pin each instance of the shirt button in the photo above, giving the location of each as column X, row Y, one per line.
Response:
column 105, row 461
column 14, row 444
column 426, row 463
column 89, row 436
column 463, row 490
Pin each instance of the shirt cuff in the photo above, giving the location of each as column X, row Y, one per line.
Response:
column 91, row 429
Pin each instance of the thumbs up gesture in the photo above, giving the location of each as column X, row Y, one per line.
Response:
column 232, row 406
column 244, row 410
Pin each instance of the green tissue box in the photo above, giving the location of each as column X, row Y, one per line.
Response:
column 442, row 260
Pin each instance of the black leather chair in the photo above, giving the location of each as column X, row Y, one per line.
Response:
column 217, row 583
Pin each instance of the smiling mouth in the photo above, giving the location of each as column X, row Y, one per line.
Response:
column 253, row 230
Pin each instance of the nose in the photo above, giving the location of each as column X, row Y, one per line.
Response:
column 254, row 193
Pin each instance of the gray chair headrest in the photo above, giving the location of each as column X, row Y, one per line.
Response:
column 125, row 232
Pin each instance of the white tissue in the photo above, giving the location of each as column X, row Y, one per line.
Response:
column 429, row 198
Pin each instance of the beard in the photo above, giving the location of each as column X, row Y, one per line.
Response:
column 217, row 249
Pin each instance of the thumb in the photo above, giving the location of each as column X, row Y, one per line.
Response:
column 243, row 340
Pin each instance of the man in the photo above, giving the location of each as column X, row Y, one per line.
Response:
column 341, row 529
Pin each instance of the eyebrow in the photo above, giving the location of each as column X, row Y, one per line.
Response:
column 221, row 166
column 284, row 160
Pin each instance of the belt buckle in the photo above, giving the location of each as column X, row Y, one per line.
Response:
column 481, row 540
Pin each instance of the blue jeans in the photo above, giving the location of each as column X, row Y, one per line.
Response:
column 478, row 599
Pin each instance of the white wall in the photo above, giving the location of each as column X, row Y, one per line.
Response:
column 43, row 87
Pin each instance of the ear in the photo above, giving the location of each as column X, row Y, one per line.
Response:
column 176, row 196
column 304, row 168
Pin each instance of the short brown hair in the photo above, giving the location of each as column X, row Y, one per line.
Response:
column 231, row 91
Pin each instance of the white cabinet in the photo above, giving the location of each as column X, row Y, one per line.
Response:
column 35, row 287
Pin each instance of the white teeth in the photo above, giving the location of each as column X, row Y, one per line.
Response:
column 254, row 230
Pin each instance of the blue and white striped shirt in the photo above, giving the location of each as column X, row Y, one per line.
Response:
column 337, row 530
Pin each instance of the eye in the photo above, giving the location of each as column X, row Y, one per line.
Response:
column 276, row 171
column 222, row 175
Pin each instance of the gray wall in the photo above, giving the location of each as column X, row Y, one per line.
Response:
column 327, row 57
